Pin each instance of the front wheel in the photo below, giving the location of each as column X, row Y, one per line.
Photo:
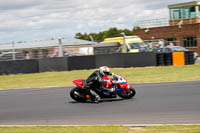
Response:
column 76, row 95
column 128, row 93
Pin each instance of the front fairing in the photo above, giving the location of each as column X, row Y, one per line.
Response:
column 119, row 80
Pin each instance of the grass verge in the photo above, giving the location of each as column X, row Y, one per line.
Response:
column 100, row 129
column 133, row 75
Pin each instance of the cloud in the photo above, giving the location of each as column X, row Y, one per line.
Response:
column 17, row 4
column 23, row 20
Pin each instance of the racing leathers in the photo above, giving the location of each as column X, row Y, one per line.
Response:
column 94, row 83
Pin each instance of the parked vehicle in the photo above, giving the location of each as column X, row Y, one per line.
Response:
column 133, row 43
column 72, row 53
column 107, row 48
column 66, row 53
column 117, row 86
column 174, row 49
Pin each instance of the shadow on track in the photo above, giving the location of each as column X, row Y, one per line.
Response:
column 101, row 101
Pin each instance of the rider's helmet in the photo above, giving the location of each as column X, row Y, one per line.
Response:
column 104, row 70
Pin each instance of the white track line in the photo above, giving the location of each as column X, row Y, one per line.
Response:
column 127, row 125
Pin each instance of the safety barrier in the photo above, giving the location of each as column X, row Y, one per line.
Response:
column 53, row 64
column 19, row 66
column 119, row 60
column 160, row 59
column 178, row 58
column 164, row 59
column 189, row 57
column 141, row 59
column 111, row 60
column 175, row 58
column 81, row 62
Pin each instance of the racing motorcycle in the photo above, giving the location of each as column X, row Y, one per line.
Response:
column 116, row 86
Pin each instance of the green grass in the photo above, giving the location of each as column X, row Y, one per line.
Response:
column 100, row 129
column 133, row 75
column 69, row 129
column 169, row 129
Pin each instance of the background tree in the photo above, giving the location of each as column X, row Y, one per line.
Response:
column 99, row 37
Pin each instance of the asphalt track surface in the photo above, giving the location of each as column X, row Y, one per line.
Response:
column 155, row 103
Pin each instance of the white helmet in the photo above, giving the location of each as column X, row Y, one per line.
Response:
column 104, row 70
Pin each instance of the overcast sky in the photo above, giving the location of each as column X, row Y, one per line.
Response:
column 27, row 20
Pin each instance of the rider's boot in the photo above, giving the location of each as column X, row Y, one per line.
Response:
column 96, row 98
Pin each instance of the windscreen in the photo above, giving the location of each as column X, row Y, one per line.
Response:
column 135, row 45
column 178, row 49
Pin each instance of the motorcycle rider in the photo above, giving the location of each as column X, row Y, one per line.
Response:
column 95, row 83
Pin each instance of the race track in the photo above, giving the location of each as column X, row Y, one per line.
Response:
column 155, row 103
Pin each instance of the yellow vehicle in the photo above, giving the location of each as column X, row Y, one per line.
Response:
column 133, row 43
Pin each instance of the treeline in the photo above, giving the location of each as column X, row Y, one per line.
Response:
column 99, row 37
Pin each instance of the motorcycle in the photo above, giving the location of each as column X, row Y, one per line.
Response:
column 116, row 86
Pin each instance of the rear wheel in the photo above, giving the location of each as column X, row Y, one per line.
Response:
column 76, row 95
column 128, row 93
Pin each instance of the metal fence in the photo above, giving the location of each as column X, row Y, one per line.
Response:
column 51, row 52
column 44, row 53
column 161, row 42
column 45, row 49
column 152, row 23
column 161, row 22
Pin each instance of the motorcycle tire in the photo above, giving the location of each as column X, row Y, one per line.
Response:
column 131, row 93
column 76, row 97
